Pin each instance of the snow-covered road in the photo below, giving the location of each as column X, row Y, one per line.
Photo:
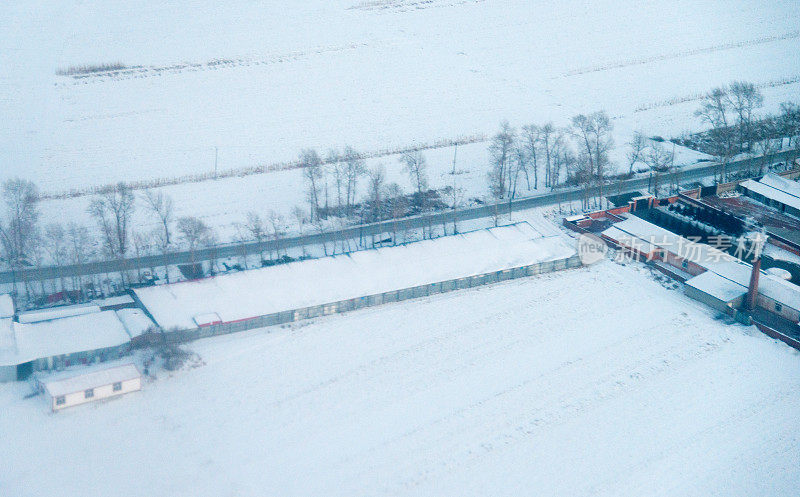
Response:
column 595, row 381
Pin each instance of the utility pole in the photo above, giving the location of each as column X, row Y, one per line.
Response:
column 216, row 155
column 455, row 194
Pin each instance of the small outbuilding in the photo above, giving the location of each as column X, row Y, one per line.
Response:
column 81, row 388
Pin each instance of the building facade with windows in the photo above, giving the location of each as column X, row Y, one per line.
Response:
column 73, row 389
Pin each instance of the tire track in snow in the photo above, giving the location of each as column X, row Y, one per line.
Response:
column 407, row 5
column 678, row 55
column 556, row 411
column 152, row 71
column 666, row 354
column 695, row 97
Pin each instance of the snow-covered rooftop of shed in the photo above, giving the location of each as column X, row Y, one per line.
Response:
column 772, row 190
column 113, row 301
column 68, row 335
column 314, row 282
column 94, row 379
column 135, row 321
column 57, row 313
column 779, row 182
column 6, row 306
column 717, row 286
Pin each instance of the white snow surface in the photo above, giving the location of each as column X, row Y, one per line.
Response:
column 284, row 287
column 242, row 84
column 527, row 387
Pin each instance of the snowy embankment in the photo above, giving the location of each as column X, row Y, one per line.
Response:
column 596, row 381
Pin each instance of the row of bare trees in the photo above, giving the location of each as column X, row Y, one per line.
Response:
column 730, row 111
column 333, row 189
column 341, row 190
column 26, row 244
column 579, row 152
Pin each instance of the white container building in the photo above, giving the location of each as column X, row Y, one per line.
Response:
column 81, row 388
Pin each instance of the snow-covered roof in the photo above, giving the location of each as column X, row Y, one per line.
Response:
column 57, row 312
column 717, row 286
column 135, row 321
column 780, row 183
column 781, row 253
column 706, row 256
column 62, row 336
column 618, row 235
column 94, row 379
column 6, row 306
column 113, row 301
column 330, row 279
column 772, row 189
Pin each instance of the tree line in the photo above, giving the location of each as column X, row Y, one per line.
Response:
column 339, row 190
column 737, row 127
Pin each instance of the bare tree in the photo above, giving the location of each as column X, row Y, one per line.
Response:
column 377, row 179
column 551, row 139
column 277, row 226
column 299, row 216
column 715, row 110
column 593, row 132
column 113, row 211
column 416, row 166
column 19, row 229
column 659, row 160
column 394, row 195
column 242, row 237
column 790, row 123
column 745, row 98
column 501, row 152
column 81, row 247
column 355, row 167
column 531, row 141
column 55, row 245
column 194, row 233
column 257, row 229
column 518, row 164
column 557, row 151
column 141, row 246
column 163, row 208
column 313, row 174
column 339, row 173
column 636, row 151
column 766, row 146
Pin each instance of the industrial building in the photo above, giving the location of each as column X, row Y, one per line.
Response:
column 56, row 338
column 774, row 191
column 706, row 269
column 300, row 290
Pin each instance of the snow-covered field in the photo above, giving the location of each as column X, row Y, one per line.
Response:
column 261, row 80
column 595, row 381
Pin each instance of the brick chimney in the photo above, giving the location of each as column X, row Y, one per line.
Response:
column 752, row 288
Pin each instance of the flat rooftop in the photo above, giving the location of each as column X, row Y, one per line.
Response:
column 285, row 287
column 774, row 220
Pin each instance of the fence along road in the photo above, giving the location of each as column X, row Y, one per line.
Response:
column 436, row 218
